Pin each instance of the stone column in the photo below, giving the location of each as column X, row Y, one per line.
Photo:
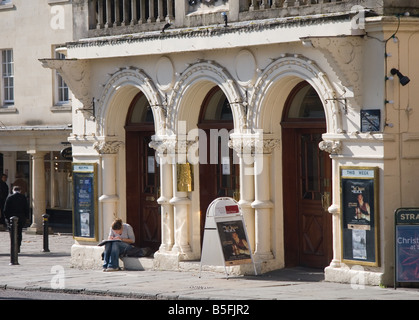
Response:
column 163, row 149
column 244, row 146
column 109, row 199
column 38, row 191
column 263, row 204
column 334, row 148
column 181, row 206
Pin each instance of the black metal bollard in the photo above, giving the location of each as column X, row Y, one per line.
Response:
column 45, row 225
column 14, row 246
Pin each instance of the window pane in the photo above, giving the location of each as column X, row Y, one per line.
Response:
column 7, row 74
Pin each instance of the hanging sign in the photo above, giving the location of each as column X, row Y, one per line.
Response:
column 359, row 196
column 85, row 201
column 407, row 245
column 225, row 236
column 67, row 153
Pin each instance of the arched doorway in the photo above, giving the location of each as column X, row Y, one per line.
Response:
column 142, row 175
column 218, row 167
column 307, row 180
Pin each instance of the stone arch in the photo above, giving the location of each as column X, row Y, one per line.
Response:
column 191, row 88
column 276, row 82
column 117, row 95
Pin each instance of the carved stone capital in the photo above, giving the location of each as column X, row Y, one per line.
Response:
column 170, row 145
column 333, row 147
column 107, row 147
column 252, row 145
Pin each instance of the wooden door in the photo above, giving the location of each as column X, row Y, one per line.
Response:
column 218, row 167
column 143, row 183
column 314, row 198
column 307, row 181
column 307, row 195
column 219, row 176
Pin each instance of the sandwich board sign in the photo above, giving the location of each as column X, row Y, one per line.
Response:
column 225, row 236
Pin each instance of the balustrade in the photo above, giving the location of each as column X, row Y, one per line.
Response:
column 115, row 13
column 152, row 14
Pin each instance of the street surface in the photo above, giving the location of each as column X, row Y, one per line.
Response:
column 12, row 294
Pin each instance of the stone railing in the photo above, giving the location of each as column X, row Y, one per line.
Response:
column 113, row 17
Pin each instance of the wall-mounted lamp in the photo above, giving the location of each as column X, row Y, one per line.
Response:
column 404, row 80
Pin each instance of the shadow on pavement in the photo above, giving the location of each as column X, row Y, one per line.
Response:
column 292, row 274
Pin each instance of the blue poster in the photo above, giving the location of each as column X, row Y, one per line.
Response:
column 407, row 253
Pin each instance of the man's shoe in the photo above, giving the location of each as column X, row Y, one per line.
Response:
column 112, row 269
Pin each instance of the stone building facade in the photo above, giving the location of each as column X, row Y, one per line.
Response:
column 35, row 105
column 292, row 91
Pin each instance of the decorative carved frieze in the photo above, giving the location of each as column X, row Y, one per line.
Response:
column 344, row 55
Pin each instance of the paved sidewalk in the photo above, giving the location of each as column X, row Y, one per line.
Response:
column 52, row 271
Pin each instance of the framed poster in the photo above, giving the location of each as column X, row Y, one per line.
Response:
column 370, row 120
column 407, row 245
column 85, row 221
column 359, row 196
column 234, row 242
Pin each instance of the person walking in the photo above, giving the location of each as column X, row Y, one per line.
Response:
column 4, row 192
column 16, row 205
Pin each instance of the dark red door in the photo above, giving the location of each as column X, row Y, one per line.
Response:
column 143, row 182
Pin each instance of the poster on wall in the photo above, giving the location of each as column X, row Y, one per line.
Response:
column 359, row 196
column 407, row 245
column 85, row 202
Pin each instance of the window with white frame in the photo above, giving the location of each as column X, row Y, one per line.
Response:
column 7, row 72
column 62, row 96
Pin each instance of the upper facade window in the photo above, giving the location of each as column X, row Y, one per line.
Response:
column 62, row 93
column 7, row 80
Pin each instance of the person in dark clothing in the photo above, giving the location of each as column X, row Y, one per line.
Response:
column 16, row 205
column 4, row 192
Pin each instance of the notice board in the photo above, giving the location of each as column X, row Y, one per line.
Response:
column 359, row 196
column 406, row 245
column 85, row 224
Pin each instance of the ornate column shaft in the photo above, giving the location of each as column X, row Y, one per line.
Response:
column 334, row 148
column 109, row 199
column 163, row 148
column 263, row 204
column 181, row 205
column 244, row 146
column 38, row 191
